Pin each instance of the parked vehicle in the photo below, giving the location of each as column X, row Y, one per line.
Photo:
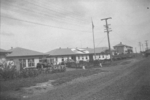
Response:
column 45, row 63
column 48, row 64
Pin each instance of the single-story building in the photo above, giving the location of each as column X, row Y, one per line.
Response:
column 123, row 49
column 24, row 58
column 85, row 54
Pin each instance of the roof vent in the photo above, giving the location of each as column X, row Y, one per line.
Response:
column 59, row 47
column 11, row 48
column 120, row 42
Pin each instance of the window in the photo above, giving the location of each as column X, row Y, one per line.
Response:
column 22, row 63
column 30, row 62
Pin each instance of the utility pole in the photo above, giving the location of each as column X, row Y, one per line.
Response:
column 108, row 30
column 93, row 38
column 146, row 43
column 135, row 50
column 140, row 46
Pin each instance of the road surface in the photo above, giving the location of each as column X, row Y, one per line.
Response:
column 124, row 82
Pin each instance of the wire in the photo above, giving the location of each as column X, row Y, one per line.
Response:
column 51, row 9
column 101, row 41
column 49, row 16
column 43, row 14
column 41, row 24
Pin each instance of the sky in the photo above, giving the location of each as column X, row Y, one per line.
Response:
column 44, row 25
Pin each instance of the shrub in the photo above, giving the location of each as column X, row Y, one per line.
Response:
column 8, row 72
column 29, row 73
column 72, row 65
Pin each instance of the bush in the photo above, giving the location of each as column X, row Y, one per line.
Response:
column 29, row 73
column 95, row 62
column 7, row 72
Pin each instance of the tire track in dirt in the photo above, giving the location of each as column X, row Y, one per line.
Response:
column 80, row 89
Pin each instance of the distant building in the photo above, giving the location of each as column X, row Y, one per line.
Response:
column 123, row 49
column 76, row 54
column 25, row 58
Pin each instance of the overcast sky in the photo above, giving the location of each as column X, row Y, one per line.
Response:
column 43, row 25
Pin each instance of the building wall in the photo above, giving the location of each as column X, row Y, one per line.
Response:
column 36, row 60
column 58, row 59
column 19, row 66
column 123, row 49
column 120, row 49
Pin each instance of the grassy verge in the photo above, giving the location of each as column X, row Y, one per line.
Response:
column 14, row 85
column 59, row 78
column 75, row 74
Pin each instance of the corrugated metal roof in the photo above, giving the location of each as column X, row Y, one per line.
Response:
column 73, row 51
column 24, row 52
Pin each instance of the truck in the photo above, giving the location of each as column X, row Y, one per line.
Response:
column 48, row 63
column 45, row 63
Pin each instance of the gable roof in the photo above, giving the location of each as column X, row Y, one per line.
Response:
column 23, row 52
column 61, row 51
column 4, row 51
column 121, row 45
column 73, row 51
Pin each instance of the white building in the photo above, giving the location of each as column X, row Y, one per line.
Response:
column 84, row 54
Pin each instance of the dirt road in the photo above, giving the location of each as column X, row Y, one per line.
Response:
column 124, row 82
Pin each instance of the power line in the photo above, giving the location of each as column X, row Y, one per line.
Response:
column 41, row 24
column 56, row 6
column 43, row 14
column 101, row 41
column 43, row 7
